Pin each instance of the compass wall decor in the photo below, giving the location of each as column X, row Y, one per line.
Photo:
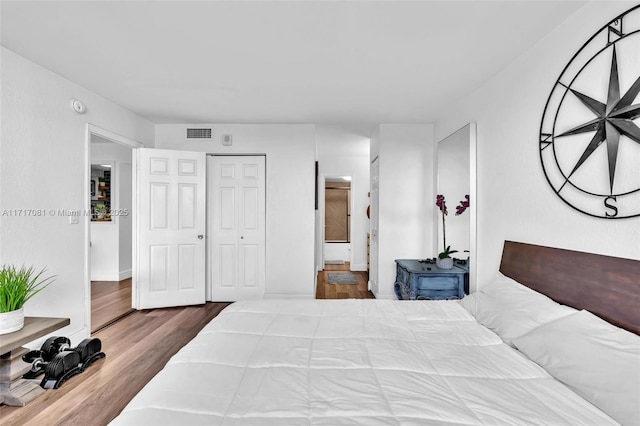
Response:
column 590, row 133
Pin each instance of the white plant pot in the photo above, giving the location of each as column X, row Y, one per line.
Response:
column 11, row 321
column 446, row 263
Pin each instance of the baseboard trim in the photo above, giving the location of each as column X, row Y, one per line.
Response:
column 126, row 274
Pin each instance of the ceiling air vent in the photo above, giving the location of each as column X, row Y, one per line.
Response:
column 199, row 134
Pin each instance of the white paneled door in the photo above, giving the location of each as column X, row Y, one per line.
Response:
column 236, row 206
column 374, row 221
column 171, row 223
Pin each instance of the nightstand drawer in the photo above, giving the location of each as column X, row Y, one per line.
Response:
column 437, row 294
column 430, row 282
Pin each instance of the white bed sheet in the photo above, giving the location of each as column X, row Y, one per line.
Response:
column 353, row 362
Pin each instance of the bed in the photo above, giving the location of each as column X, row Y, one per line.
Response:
column 488, row 359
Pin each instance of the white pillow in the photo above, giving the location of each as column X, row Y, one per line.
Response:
column 511, row 309
column 598, row 360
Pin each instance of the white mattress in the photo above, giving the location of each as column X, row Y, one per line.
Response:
column 353, row 362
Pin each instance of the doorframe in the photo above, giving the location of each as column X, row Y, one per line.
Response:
column 91, row 130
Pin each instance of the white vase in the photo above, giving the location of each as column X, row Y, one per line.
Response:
column 446, row 263
column 11, row 321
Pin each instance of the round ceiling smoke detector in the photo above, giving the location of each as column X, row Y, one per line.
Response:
column 78, row 106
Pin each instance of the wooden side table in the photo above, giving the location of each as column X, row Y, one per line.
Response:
column 22, row 391
column 418, row 280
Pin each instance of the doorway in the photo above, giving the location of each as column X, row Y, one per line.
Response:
column 337, row 220
column 337, row 210
column 109, row 228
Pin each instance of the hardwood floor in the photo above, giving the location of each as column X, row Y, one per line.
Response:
column 137, row 346
column 342, row 291
column 110, row 301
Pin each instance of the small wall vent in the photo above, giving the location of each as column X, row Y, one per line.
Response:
column 199, row 134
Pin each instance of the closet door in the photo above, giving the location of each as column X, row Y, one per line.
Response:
column 236, row 217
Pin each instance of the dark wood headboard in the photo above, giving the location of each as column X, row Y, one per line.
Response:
column 606, row 286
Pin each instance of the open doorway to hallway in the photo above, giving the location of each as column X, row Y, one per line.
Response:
column 343, row 185
column 337, row 220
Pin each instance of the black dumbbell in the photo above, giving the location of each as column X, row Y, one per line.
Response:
column 59, row 361
column 70, row 362
column 90, row 350
column 40, row 358
column 63, row 366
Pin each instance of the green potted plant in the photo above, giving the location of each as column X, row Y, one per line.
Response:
column 101, row 211
column 17, row 286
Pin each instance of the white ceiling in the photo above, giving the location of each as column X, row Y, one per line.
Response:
column 279, row 62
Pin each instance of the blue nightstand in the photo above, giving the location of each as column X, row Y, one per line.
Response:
column 418, row 280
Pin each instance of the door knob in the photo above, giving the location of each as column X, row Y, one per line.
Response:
column 200, row 236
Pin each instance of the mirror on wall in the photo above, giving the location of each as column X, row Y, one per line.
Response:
column 456, row 182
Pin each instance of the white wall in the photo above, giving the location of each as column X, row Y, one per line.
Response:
column 514, row 200
column 344, row 151
column 42, row 166
column 290, row 195
column 111, row 242
column 406, row 155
